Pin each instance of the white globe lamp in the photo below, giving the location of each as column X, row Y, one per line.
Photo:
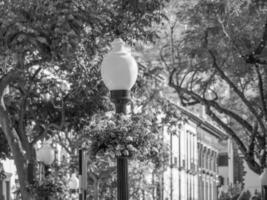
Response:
column 119, row 69
column 74, row 182
column 46, row 154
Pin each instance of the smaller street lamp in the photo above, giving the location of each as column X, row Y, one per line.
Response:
column 74, row 182
column 119, row 73
column 263, row 179
column 46, row 155
column 73, row 185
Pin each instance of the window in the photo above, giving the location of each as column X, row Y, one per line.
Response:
column 223, row 160
column 199, row 155
column 175, row 161
column 193, row 168
column 221, row 181
column 207, row 159
column 183, row 163
column 215, row 163
column 202, row 159
column 210, row 162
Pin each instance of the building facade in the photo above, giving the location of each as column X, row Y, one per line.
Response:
column 233, row 169
column 193, row 172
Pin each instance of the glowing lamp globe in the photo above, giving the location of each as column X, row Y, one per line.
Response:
column 46, row 154
column 74, row 182
column 119, row 69
column 263, row 177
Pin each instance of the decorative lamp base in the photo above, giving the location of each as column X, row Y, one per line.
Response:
column 47, row 170
column 120, row 98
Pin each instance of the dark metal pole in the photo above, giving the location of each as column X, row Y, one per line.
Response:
column 120, row 98
column 84, row 174
column 122, row 178
column 80, row 174
column 46, row 170
column 264, row 192
column 46, row 174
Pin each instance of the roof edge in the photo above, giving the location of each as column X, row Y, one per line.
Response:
column 203, row 123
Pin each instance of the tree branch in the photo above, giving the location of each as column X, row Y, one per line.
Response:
column 261, row 91
column 217, row 107
column 232, row 114
column 162, row 57
column 171, row 77
column 237, row 91
column 63, row 145
column 12, row 76
column 251, row 146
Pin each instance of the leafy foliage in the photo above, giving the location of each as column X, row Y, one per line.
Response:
column 135, row 136
column 46, row 189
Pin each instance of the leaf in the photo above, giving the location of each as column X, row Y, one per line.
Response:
column 42, row 40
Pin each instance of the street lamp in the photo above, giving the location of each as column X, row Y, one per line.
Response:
column 46, row 155
column 119, row 73
column 263, row 179
column 73, row 183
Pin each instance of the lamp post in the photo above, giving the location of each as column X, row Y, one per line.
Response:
column 119, row 73
column 46, row 155
column 73, row 184
column 263, row 179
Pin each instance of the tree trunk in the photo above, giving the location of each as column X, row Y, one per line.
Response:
column 18, row 153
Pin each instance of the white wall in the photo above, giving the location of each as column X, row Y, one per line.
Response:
column 10, row 167
column 252, row 180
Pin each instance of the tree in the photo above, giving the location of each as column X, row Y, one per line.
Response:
column 219, row 62
column 50, row 53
